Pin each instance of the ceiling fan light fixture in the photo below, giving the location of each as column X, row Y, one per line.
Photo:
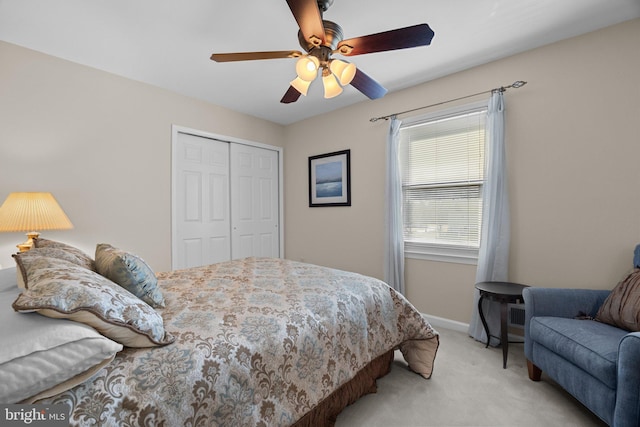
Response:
column 320, row 39
column 331, row 86
column 307, row 68
column 300, row 85
column 344, row 71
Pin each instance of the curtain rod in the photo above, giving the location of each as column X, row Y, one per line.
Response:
column 515, row 85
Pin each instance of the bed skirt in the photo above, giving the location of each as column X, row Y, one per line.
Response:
column 326, row 413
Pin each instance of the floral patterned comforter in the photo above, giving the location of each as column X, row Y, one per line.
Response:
column 259, row 342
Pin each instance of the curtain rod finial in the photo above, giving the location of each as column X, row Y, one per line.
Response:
column 518, row 84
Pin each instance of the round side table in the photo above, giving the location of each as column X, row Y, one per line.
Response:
column 505, row 293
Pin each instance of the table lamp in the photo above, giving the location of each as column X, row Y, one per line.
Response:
column 32, row 212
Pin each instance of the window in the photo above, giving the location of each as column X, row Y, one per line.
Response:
column 442, row 166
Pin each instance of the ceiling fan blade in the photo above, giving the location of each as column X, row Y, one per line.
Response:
column 401, row 38
column 365, row 84
column 250, row 56
column 290, row 96
column 309, row 19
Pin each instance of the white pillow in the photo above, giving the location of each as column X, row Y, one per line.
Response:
column 40, row 357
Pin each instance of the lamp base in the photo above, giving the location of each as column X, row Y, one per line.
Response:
column 25, row 246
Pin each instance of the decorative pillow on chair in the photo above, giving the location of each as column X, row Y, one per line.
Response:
column 60, row 289
column 622, row 306
column 130, row 272
column 82, row 258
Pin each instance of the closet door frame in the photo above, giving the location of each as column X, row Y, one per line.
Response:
column 175, row 130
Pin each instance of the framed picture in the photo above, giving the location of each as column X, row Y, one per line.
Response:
column 330, row 179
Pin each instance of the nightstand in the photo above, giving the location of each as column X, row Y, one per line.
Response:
column 505, row 293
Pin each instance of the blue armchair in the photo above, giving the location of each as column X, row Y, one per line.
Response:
column 597, row 363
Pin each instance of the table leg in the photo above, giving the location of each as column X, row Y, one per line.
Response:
column 484, row 322
column 504, row 333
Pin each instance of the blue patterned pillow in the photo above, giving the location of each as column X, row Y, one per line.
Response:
column 130, row 272
column 63, row 290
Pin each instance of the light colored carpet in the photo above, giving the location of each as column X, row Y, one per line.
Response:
column 468, row 388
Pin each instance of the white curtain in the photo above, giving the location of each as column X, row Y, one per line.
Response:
column 493, row 256
column 394, row 240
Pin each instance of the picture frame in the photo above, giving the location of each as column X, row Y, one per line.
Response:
column 330, row 179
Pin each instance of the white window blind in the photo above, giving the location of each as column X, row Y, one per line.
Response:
column 442, row 162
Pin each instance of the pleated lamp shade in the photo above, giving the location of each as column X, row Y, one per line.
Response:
column 32, row 212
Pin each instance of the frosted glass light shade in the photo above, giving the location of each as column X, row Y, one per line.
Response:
column 331, row 86
column 307, row 68
column 32, row 212
column 344, row 71
column 300, row 85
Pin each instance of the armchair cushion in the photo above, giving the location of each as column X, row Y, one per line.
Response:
column 559, row 302
column 590, row 345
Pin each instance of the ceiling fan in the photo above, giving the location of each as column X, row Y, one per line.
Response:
column 321, row 39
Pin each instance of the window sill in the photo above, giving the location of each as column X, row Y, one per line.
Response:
column 441, row 253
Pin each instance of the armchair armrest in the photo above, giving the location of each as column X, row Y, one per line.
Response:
column 627, row 412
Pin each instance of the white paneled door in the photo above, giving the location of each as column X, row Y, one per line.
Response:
column 254, row 202
column 225, row 200
column 201, row 201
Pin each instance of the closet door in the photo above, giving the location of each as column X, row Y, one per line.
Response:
column 225, row 199
column 254, row 202
column 201, row 209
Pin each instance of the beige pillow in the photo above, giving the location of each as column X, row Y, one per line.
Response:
column 52, row 252
column 622, row 306
column 60, row 289
column 83, row 259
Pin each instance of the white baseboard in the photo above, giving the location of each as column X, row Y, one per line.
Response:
column 454, row 325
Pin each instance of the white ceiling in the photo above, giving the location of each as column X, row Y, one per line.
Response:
column 168, row 43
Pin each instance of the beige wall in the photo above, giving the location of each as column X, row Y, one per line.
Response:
column 102, row 145
column 573, row 145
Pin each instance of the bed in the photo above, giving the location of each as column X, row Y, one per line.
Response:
column 250, row 342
